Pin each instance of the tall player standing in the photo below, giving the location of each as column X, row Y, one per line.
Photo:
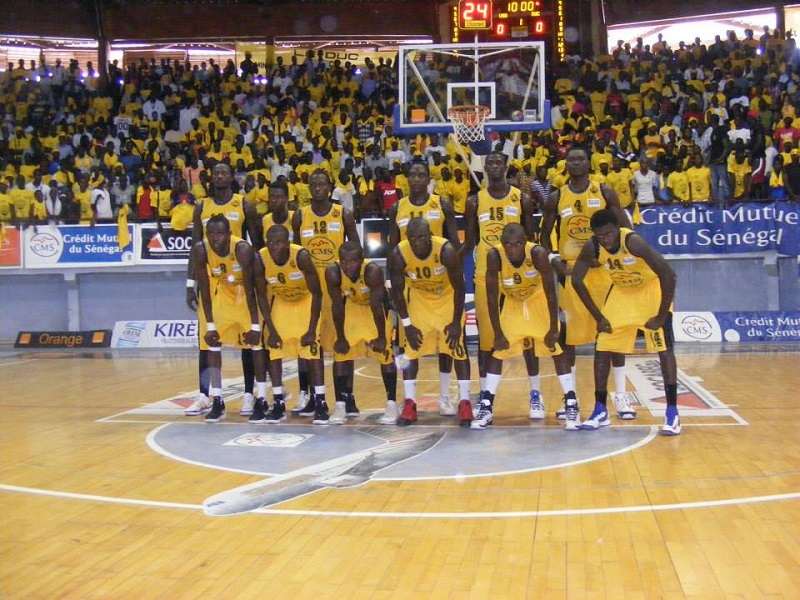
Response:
column 441, row 218
column 486, row 214
column 242, row 217
column 568, row 210
column 321, row 228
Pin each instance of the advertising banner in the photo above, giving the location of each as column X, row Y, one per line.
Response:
column 167, row 246
column 10, row 248
column 75, row 246
column 746, row 227
column 736, row 326
column 98, row 338
column 155, row 334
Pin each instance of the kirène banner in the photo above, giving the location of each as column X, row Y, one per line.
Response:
column 736, row 326
column 745, row 227
column 155, row 334
column 167, row 247
column 75, row 246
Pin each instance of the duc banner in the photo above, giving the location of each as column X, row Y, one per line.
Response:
column 736, row 326
column 74, row 246
column 746, row 227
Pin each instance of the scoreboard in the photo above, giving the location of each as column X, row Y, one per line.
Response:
column 509, row 20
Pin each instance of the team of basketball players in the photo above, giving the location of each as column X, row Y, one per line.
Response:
column 310, row 288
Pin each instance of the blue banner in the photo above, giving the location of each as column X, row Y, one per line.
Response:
column 746, row 227
column 75, row 246
column 762, row 326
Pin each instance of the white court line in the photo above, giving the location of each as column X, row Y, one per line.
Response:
column 17, row 362
column 566, row 512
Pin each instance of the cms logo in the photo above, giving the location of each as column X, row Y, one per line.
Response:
column 322, row 249
column 578, row 228
column 45, row 245
column 697, row 327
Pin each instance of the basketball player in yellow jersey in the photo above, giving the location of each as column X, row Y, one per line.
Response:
column 441, row 219
column 640, row 298
column 526, row 324
column 486, row 215
column 359, row 306
column 224, row 270
column 568, row 210
column 431, row 310
column 289, row 295
column 279, row 213
column 242, row 219
column 321, row 227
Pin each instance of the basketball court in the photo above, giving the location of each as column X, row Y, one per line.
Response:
column 109, row 491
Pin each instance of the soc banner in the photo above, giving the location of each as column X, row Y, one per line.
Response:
column 167, row 247
column 10, row 247
column 75, row 246
column 746, row 227
column 736, row 326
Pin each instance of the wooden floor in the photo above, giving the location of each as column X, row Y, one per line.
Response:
column 90, row 510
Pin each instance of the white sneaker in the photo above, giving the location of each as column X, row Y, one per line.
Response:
column 536, row 405
column 390, row 415
column 484, row 417
column 599, row 418
column 572, row 416
column 339, row 415
column 446, row 409
column 302, row 401
column 247, row 405
column 624, row 410
column 200, row 406
column 561, row 413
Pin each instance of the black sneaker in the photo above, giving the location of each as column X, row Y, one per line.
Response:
column 350, row 408
column 321, row 415
column 310, row 408
column 277, row 413
column 259, row 407
column 217, row 412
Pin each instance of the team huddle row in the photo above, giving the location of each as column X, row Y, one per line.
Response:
column 308, row 287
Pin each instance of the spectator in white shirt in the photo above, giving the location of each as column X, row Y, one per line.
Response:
column 644, row 181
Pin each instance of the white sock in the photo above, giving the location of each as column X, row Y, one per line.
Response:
column 214, row 392
column 444, row 384
column 619, row 379
column 463, row 389
column 410, row 388
column 535, row 382
column 277, row 391
column 319, row 390
column 492, row 382
column 566, row 382
column 261, row 389
column 482, row 382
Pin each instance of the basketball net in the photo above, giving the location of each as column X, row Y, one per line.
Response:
column 468, row 121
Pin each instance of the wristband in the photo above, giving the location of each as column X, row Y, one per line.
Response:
column 406, row 322
column 552, row 256
column 190, row 283
column 211, row 327
column 255, row 327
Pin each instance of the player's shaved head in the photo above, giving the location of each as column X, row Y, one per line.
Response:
column 512, row 231
column 418, row 226
column 350, row 249
column 278, row 233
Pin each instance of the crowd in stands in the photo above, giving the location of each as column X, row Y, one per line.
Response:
column 687, row 123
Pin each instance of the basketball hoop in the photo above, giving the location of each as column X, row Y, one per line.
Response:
column 468, row 121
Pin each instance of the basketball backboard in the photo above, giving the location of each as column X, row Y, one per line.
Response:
column 508, row 78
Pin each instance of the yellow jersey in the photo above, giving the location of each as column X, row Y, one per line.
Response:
column 427, row 275
column 575, row 209
column 356, row 291
column 625, row 269
column 430, row 210
column 286, row 281
column 225, row 273
column 518, row 283
column 269, row 220
column 493, row 214
column 233, row 210
column 322, row 235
